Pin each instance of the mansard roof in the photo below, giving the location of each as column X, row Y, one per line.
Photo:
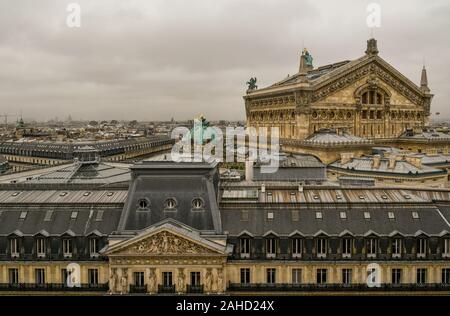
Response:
column 61, row 221
column 430, row 222
column 157, row 183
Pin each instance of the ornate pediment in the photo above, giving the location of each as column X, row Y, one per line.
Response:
column 378, row 71
column 163, row 243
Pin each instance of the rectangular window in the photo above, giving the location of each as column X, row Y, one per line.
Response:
column 396, row 276
column 421, row 248
column 245, row 276
column 93, row 276
column 195, row 278
column 13, row 276
column 40, row 247
column 445, row 276
column 93, row 247
column 446, row 252
column 296, row 276
column 67, row 247
column 271, row 275
column 347, row 247
column 421, row 277
column 269, row 197
column 245, row 247
column 371, row 247
column 167, row 278
column 39, row 275
column 321, row 247
column 321, row 276
column 139, row 279
column 396, row 248
column 64, row 276
column 346, row 276
column 296, row 247
column 14, row 247
column 271, row 247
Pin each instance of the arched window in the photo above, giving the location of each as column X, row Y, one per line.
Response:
column 372, row 97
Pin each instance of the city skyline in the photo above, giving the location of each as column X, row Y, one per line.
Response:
column 128, row 60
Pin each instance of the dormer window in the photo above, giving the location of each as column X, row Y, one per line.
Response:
column 396, row 248
column 446, row 248
column 197, row 204
column 347, row 245
column 67, row 247
column 244, row 244
column 40, row 247
column 14, row 247
column 93, row 247
column 171, row 204
column 297, row 246
column 143, row 204
column 372, row 247
column 271, row 250
column 421, row 247
column 321, row 244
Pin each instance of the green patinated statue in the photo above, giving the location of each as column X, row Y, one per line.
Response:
column 252, row 84
column 308, row 57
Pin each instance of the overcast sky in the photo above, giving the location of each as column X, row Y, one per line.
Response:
column 158, row 59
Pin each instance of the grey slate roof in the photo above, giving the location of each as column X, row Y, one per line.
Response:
column 430, row 222
column 100, row 173
column 157, row 182
column 402, row 167
column 61, row 222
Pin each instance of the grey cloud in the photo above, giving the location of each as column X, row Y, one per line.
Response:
column 159, row 59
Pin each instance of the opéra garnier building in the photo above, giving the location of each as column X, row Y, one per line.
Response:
column 366, row 97
column 164, row 227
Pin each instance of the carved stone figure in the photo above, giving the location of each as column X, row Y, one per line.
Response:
column 220, row 281
column 112, row 282
column 180, row 281
column 124, row 281
column 208, row 281
column 251, row 83
column 214, row 281
column 151, row 286
column 166, row 243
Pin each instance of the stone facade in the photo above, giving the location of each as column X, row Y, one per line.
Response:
column 366, row 97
